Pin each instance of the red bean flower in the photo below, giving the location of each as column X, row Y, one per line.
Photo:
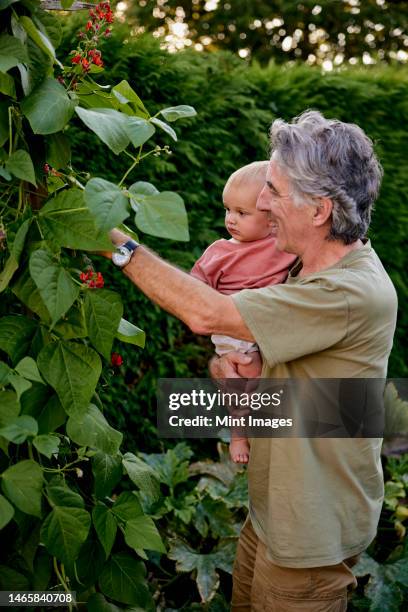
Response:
column 116, row 360
column 94, row 280
column 77, row 58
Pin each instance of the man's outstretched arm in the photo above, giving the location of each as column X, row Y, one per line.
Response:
column 202, row 308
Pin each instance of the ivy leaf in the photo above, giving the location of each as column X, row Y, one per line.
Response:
column 64, row 531
column 22, row 484
column 107, row 202
column 165, row 127
column 107, row 471
column 103, row 312
column 48, row 108
column 123, row 579
column 204, row 564
column 47, row 444
column 141, row 532
column 92, row 429
column 20, row 165
column 108, row 124
column 141, row 474
column 16, row 333
column 129, row 333
column 127, row 506
column 12, row 52
column 28, row 368
column 163, row 215
column 172, row 113
column 66, row 220
column 20, row 429
column 105, row 526
column 54, row 283
column 6, row 512
column 73, row 370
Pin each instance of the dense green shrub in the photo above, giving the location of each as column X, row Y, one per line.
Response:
column 236, row 104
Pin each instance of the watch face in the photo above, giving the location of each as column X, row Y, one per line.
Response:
column 121, row 256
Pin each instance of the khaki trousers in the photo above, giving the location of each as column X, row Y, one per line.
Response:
column 259, row 585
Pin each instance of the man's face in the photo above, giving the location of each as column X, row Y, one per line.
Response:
column 293, row 223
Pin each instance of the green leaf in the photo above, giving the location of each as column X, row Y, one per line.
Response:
column 5, row 3
column 49, row 25
column 59, row 494
column 108, row 124
column 172, row 113
column 4, row 120
column 27, row 292
column 107, row 471
column 66, row 220
column 6, row 175
column 47, row 444
column 51, row 416
column 127, row 332
column 39, row 38
column 28, row 368
column 64, row 531
column 5, row 372
column 107, row 202
column 58, row 150
column 73, row 324
column 54, row 283
column 98, row 603
column 15, row 253
column 163, row 126
column 123, row 579
column 16, row 333
column 127, row 506
column 139, row 130
column 12, row 52
column 141, row 532
column 19, row 163
column 10, row 407
column 92, row 429
column 12, row 580
column 7, row 86
column 103, row 312
column 6, row 512
column 125, row 90
column 20, row 384
column 204, row 564
column 20, row 429
column 163, row 215
column 105, row 526
column 142, row 188
column 141, row 474
column 22, row 484
column 48, row 108
column 73, row 370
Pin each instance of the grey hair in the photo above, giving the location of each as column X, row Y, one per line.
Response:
column 328, row 158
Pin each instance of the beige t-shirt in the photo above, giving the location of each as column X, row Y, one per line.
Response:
column 317, row 501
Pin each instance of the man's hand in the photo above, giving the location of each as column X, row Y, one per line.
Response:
column 230, row 365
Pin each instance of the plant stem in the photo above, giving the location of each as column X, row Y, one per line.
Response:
column 10, row 110
column 61, row 579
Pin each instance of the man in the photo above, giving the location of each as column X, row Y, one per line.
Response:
column 314, row 503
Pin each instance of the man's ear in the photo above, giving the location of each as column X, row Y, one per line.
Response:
column 323, row 211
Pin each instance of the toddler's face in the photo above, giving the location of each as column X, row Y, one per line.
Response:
column 242, row 220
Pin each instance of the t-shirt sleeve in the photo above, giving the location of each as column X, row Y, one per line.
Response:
column 293, row 320
column 207, row 267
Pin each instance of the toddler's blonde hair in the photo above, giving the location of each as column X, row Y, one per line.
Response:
column 251, row 173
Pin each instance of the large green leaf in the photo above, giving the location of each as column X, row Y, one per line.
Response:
column 64, row 531
column 141, row 532
column 107, row 202
column 66, row 220
column 7, row 86
column 107, row 471
column 108, row 124
column 52, row 416
column 12, row 52
column 58, row 150
column 123, row 579
column 165, row 127
column 103, row 312
column 59, row 494
column 48, row 108
column 125, row 90
column 20, row 165
column 73, row 370
column 98, row 603
column 10, row 407
column 54, row 283
column 172, row 113
column 16, row 333
column 105, row 526
column 6, row 512
column 22, row 484
column 21, row 428
column 47, row 444
column 127, row 332
column 27, row 292
column 12, row 580
column 92, row 429
column 141, row 474
column 139, row 130
column 73, row 325
column 38, row 37
column 162, row 215
column 204, row 564
column 28, row 368
column 15, row 253
column 127, row 506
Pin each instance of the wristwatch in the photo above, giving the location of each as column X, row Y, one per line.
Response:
column 123, row 254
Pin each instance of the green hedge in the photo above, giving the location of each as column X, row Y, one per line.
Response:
column 236, row 103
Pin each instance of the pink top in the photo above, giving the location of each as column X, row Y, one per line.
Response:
column 230, row 267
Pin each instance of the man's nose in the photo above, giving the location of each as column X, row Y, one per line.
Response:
column 262, row 202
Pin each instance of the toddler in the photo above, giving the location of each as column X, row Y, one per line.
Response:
column 248, row 260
